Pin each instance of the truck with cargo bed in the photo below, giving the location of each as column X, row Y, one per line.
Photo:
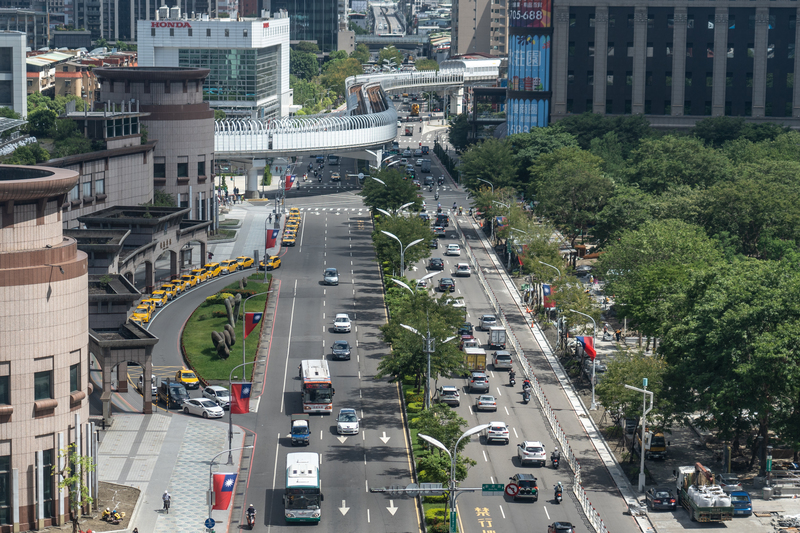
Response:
column 474, row 358
column 497, row 337
column 703, row 499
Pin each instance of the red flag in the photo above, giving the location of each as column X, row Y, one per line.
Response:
column 240, row 398
column 289, row 182
column 223, row 490
column 251, row 320
column 588, row 346
column 272, row 238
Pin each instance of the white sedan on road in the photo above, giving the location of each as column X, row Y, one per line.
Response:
column 203, row 407
column 453, row 249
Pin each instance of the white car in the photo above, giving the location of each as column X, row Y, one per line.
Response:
column 453, row 249
column 203, row 407
column 218, row 395
column 531, row 451
column 422, row 284
column 497, row 431
column 347, row 422
column 462, row 269
column 456, row 302
column 341, row 324
column 486, row 402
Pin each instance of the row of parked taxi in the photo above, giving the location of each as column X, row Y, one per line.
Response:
column 292, row 227
column 172, row 289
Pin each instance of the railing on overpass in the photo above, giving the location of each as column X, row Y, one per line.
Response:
column 410, row 40
column 325, row 133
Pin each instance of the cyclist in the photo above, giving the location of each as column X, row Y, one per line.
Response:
column 167, row 499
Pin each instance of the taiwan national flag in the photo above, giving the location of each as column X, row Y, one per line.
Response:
column 240, row 398
column 548, row 291
column 223, row 490
column 501, row 223
column 289, row 182
column 588, row 346
column 251, row 320
column 272, row 238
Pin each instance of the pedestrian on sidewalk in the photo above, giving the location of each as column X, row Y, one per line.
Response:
column 618, row 333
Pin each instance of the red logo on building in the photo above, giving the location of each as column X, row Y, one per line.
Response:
column 266, row 24
column 162, row 24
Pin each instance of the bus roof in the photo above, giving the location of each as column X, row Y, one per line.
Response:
column 315, row 370
column 302, row 470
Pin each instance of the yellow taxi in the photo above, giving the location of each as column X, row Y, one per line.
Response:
column 212, row 269
column 190, row 279
column 160, row 297
column 188, row 378
column 294, row 210
column 272, row 263
column 292, row 226
column 229, row 266
column 290, row 233
column 141, row 313
column 335, row 176
column 288, row 239
column 150, row 305
column 182, row 285
column 293, row 222
column 201, row 274
column 170, row 289
column 245, row 262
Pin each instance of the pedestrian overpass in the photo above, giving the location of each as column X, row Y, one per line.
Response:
column 367, row 127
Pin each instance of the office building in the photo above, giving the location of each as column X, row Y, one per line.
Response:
column 529, row 52
column 312, row 20
column 479, row 26
column 248, row 60
column 12, row 72
column 34, row 24
column 676, row 64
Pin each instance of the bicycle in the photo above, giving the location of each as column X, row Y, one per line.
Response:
column 167, row 500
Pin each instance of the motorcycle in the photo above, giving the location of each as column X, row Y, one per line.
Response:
column 436, row 197
column 526, row 396
column 607, row 336
column 512, row 381
column 251, row 520
column 430, row 188
column 555, row 460
column 470, row 212
column 558, row 496
column 319, row 178
column 113, row 517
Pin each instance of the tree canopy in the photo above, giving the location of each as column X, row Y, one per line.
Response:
column 303, row 64
column 397, row 191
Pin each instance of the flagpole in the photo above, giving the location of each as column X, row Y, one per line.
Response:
column 230, row 411
column 211, row 476
column 593, row 407
column 244, row 313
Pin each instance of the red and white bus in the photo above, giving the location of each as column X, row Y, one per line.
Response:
column 317, row 387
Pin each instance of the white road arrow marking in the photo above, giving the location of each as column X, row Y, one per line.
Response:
column 392, row 509
column 344, row 509
column 341, row 438
column 385, row 439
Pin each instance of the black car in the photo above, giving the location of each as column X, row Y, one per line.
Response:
column 561, row 527
column 435, row 264
column 465, row 329
column 424, row 216
column 528, row 489
column 660, row 498
column 434, row 243
column 583, row 270
column 447, row 285
column 341, row 350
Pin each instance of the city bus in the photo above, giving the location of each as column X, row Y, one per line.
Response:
column 302, row 498
column 317, row 386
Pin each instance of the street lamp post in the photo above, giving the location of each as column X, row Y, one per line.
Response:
column 509, row 252
column 593, row 407
column 508, row 221
column 453, row 458
column 230, row 408
column 211, row 474
column 559, row 275
column 402, row 250
column 645, row 410
column 489, row 182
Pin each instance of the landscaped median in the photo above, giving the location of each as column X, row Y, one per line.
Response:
column 212, row 316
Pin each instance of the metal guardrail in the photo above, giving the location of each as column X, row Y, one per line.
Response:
column 583, row 500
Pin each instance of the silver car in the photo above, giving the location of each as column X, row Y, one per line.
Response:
column 203, row 407
column 330, row 276
column 218, row 395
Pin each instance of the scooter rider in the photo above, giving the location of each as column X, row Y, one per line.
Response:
column 558, row 491
column 251, row 514
column 512, row 377
column 555, row 456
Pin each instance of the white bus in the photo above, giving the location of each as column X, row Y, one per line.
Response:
column 302, row 499
column 317, row 386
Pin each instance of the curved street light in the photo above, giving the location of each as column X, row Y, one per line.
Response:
column 593, row 407
column 402, row 250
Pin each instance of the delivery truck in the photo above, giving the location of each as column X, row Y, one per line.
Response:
column 655, row 445
column 701, row 496
column 474, row 358
column 497, row 337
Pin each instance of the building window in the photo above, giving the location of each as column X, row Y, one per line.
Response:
column 730, row 52
column 627, row 107
column 787, row 112
column 612, row 21
column 651, row 20
column 790, row 51
column 710, row 50
column 729, row 79
column 590, row 78
column 751, row 51
column 671, row 22
column 5, row 395
column 648, row 107
column 690, row 22
column 770, row 51
column 648, row 79
column 100, row 186
column 87, row 189
column 572, row 48
column 43, row 385
column 75, row 193
column 728, row 108
column 687, row 107
column 629, row 78
column 630, row 49
column 768, row 109
column 748, row 79
column 689, row 47
column 591, row 49
column 159, row 167
column 589, row 106
column 609, row 79
column 610, row 51
column 669, row 49
column 711, row 22
column 748, row 108
column 244, row 33
column 630, row 21
column 227, row 32
column 731, row 22
column 709, row 79
column 792, row 23
column 688, row 79
column 172, row 32
column 48, row 504
column 208, row 32
column 201, row 168
column 667, row 107
column 591, row 21
column 609, row 107
column 572, row 20
column 152, row 32
column 190, row 32
column 183, row 169
column 790, row 80
column 5, row 490
column 75, row 377
column 770, row 78
column 649, row 49
column 707, row 108
column 569, row 105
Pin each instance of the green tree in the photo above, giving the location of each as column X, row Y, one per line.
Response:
column 361, row 53
column 303, row 64
column 358, row 30
column 390, row 54
column 491, row 160
column 648, row 267
column 610, row 150
column 7, row 112
column 73, row 478
column 72, row 146
column 426, row 64
column 31, row 154
column 630, row 369
column 526, row 147
column 458, row 131
column 571, row 189
column 716, row 131
column 336, row 73
column 396, row 192
column 627, row 209
column 219, row 114
column 306, row 46
column 41, row 121
column 732, row 349
column 630, row 130
column 659, row 164
column 407, row 230
column 304, row 91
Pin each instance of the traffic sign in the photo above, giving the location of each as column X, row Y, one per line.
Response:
column 209, row 523
column 492, row 489
column 431, row 489
column 512, row 489
column 412, row 490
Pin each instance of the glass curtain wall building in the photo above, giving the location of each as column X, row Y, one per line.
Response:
column 312, row 20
